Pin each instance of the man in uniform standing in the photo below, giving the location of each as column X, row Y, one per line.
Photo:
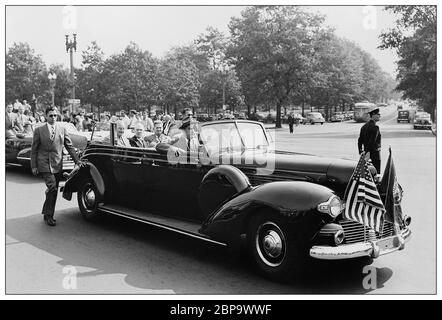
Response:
column 370, row 139
column 47, row 159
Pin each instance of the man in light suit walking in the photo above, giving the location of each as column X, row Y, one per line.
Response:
column 47, row 159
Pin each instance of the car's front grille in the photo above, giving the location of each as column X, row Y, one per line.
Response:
column 357, row 232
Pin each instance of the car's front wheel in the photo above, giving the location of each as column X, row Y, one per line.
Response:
column 88, row 199
column 273, row 249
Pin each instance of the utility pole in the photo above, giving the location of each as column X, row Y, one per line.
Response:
column 71, row 46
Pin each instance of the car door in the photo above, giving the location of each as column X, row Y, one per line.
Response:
column 127, row 166
column 173, row 187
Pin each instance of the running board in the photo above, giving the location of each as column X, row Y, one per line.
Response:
column 183, row 227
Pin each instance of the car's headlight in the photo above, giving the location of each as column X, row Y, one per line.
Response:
column 333, row 206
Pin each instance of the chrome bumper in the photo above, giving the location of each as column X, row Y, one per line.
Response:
column 372, row 249
column 68, row 165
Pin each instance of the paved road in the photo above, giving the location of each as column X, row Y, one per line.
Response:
column 116, row 256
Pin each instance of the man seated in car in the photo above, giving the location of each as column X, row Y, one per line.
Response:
column 186, row 139
column 138, row 140
column 184, row 146
column 158, row 136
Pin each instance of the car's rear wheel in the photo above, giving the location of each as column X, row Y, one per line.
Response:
column 88, row 199
column 273, row 249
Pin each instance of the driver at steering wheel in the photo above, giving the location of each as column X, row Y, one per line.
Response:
column 184, row 145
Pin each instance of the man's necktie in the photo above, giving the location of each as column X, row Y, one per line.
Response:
column 52, row 133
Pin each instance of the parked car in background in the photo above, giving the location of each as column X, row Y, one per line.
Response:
column 348, row 115
column 256, row 116
column 267, row 117
column 314, row 117
column 240, row 115
column 18, row 149
column 298, row 117
column 337, row 117
column 422, row 120
column 203, row 117
column 227, row 116
column 403, row 116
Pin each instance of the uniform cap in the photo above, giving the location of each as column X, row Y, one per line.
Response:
column 373, row 110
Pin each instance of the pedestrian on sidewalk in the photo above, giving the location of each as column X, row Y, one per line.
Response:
column 291, row 121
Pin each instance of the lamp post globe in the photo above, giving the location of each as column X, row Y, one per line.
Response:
column 52, row 78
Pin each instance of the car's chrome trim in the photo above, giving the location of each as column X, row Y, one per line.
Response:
column 13, row 164
column 360, row 249
column 24, row 158
column 193, row 235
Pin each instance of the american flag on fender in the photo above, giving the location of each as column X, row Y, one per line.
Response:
column 363, row 202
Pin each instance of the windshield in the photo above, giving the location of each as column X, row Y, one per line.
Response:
column 423, row 116
column 232, row 136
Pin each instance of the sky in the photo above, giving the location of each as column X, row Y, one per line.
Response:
column 158, row 28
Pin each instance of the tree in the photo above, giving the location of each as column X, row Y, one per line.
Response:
column 25, row 73
column 274, row 49
column 93, row 86
column 62, row 85
column 414, row 39
column 345, row 74
column 132, row 78
column 178, row 82
column 220, row 84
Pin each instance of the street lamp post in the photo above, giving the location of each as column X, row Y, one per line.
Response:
column 71, row 46
column 224, row 71
column 52, row 78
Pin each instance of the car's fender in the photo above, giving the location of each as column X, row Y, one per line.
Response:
column 78, row 175
column 24, row 157
column 219, row 185
column 294, row 202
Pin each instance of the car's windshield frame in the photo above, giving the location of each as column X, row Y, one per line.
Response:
column 244, row 145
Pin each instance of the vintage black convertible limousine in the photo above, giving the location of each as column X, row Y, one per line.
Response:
column 236, row 190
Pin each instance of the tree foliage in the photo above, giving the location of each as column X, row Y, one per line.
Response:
column 178, row 82
column 414, row 39
column 25, row 73
column 274, row 57
column 220, row 83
